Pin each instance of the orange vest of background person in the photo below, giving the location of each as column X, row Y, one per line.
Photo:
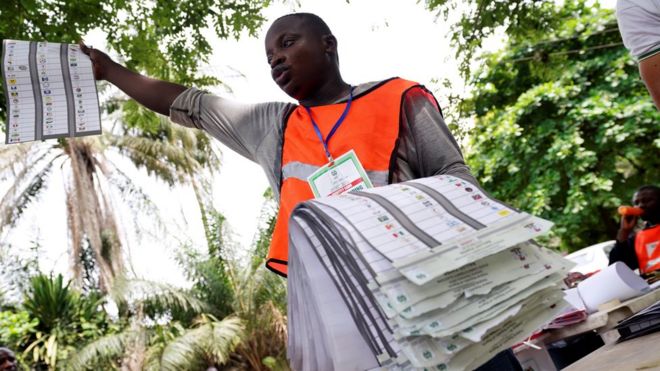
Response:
column 647, row 248
column 371, row 129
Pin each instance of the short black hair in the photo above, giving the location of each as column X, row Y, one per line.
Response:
column 315, row 22
column 650, row 187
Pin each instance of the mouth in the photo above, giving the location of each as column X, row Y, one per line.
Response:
column 280, row 74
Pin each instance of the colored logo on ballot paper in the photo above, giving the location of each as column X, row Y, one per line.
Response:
column 383, row 218
column 427, row 354
column 389, row 226
column 476, row 197
column 518, row 253
column 533, row 227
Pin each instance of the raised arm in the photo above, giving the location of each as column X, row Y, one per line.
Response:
column 157, row 95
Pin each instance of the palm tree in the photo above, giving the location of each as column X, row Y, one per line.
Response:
column 260, row 301
column 145, row 344
column 171, row 153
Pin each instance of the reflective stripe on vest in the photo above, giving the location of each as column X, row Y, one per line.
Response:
column 647, row 248
column 302, row 171
column 371, row 129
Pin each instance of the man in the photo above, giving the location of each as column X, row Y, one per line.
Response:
column 393, row 128
column 412, row 141
column 642, row 249
column 639, row 24
column 7, row 360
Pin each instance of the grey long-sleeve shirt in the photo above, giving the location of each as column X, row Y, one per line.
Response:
column 425, row 146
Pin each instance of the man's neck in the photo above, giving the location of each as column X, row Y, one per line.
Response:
column 328, row 93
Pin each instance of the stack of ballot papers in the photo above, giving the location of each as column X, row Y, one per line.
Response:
column 430, row 274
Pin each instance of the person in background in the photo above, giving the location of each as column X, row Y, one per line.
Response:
column 7, row 360
column 639, row 24
column 641, row 249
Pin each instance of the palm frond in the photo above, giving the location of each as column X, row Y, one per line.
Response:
column 16, row 200
column 173, row 154
column 209, row 344
column 132, row 194
column 159, row 158
column 13, row 156
column 109, row 347
column 160, row 294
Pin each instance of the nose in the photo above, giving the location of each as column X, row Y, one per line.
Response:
column 276, row 59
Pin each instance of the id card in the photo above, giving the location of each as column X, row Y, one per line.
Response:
column 343, row 175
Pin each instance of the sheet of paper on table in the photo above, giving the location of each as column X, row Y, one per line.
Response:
column 50, row 91
column 432, row 273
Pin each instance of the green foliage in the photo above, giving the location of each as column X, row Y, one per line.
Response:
column 519, row 19
column 211, row 283
column 61, row 320
column 50, row 300
column 164, row 39
column 210, row 343
column 16, row 328
column 564, row 128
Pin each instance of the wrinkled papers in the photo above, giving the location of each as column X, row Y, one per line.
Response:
column 428, row 274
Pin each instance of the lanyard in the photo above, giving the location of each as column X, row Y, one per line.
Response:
column 334, row 128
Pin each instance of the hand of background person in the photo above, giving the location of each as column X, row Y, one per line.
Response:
column 628, row 223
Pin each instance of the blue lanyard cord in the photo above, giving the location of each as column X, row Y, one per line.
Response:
column 334, row 128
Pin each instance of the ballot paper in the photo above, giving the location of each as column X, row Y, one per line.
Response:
column 616, row 282
column 50, row 91
column 428, row 274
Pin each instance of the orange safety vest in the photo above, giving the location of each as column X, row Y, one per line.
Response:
column 371, row 129
column 647, row 248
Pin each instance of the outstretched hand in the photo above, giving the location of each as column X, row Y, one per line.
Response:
column 100, row 61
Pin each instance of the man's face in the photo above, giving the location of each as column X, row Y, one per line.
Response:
column 7, row 360
column 297, row 57
column 647, row 200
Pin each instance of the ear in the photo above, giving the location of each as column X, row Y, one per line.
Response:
column 330, row 44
